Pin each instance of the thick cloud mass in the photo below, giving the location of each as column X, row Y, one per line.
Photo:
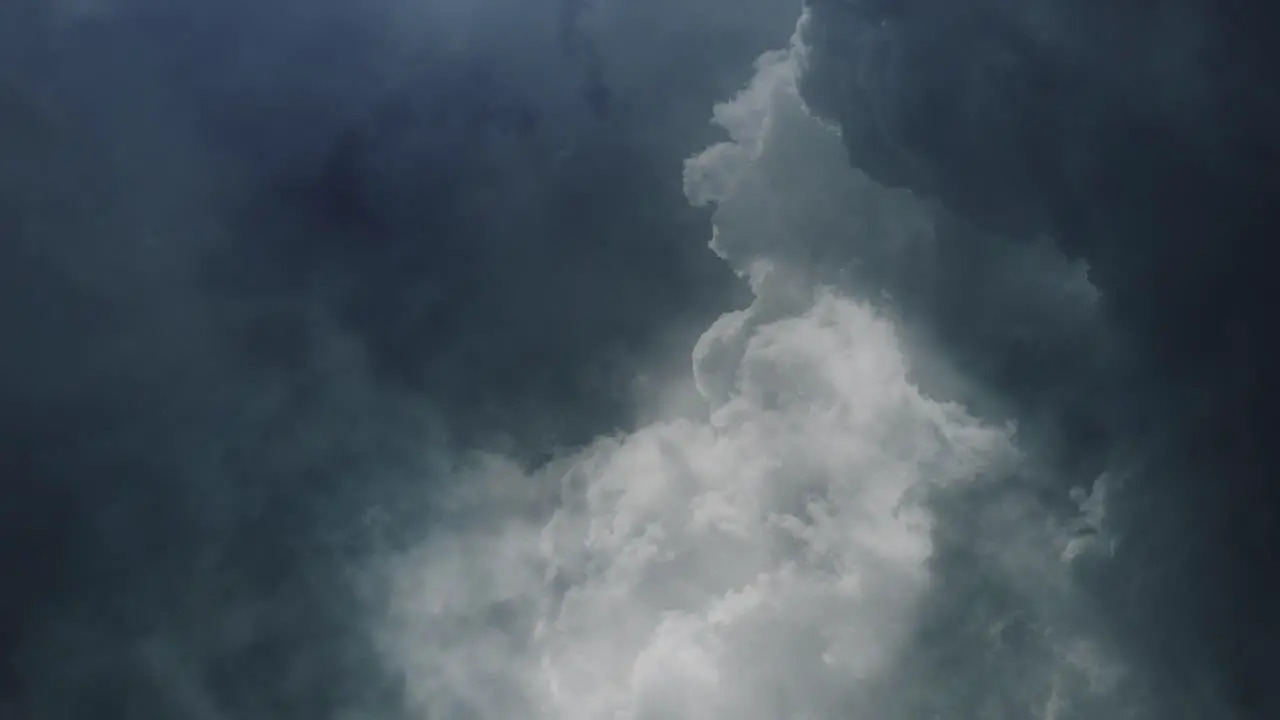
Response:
column 830, row 541
column 347, row 360
column 754, row 565
column 1142, row 141
column 264, row 265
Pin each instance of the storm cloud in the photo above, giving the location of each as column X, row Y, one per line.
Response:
column 828, row 541
column 1140, row 142
column 265, row 267
column 371, row 360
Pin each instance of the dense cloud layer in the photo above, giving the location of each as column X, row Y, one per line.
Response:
column 993, row 313
column 320, row 318
column 1141, row 140
column 830, row 541
column 264, row 264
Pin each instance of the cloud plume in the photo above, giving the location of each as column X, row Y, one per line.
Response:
column 752, row 565
column 829, row 540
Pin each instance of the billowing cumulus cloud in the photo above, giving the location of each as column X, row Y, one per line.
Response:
column 749, row 566
column 829, row 540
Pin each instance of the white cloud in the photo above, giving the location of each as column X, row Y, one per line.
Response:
column 779, row 558
column 747, row 566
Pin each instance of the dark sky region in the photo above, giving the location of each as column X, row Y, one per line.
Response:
column 345, row 359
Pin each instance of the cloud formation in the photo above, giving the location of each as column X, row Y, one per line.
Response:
column 754, row 565
column 1142, row 143
column 298, row 298
column 265, row 265
column 828, row 541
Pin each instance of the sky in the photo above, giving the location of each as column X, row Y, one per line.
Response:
column 581, row 359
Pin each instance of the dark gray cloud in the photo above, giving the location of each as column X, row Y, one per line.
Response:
column 1141, row 142
column 299, row 298
column 265, row 267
